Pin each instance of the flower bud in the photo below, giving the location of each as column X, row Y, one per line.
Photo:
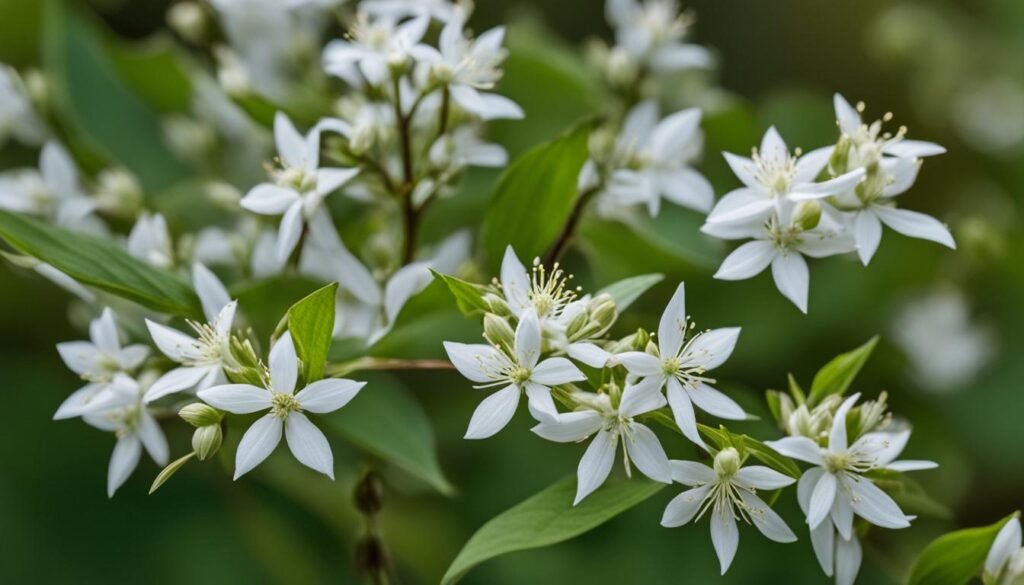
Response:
column 498, row 331
column 604, row 311
column 118, row 193
column 727, row 462
column 498, row 305
column 38, row 87
column 369, row 494
column 640, row 340
column 601, row 143
column 206, row 441
column 188, row 20
column 807, row 215
column 198, row 414
column 224, row 195
column 622, row 70
column 577, row 325
column 840, row 156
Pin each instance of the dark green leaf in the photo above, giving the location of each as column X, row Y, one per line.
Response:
column 311, row 323
column 153, row 71
column 547, row 518
column 468, row 295
column 955, row 558
column 838, row 374
column 100, row 263
column 534, row 198
column 385, row 420
column 628, row 290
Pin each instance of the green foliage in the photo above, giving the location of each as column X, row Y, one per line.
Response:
column 468, row 296
column 152, row 70
column 626, row 291
column 311, row 323
column 99, row 262
column 534, row 198
column 98, row 103
column 722, row 438
column 955, row 558
column 388, row 422
column 167, row 472
column 838, row 374
column 547, row 518
column 909, row 494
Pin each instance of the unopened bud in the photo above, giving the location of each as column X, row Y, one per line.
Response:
column 118, row 193
column 601, row 143
column 622, row 69
column 807, row 215
column 727, row 462
column 37, row 87
column 198, row 414
column 224, row 195
column 206, row 441
column 369, row 494
column 604, row 311
column 498, row 305
column 640, row 340
column 577, row 324
column 840, row 158
column 188, row 20
column 498, row 331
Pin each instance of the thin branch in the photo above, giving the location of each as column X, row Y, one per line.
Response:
column 569, row 229
column 371, row 363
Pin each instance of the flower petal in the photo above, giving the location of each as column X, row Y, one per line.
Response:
column 837, row 436
column 289, row 231
column 328, row 395
column 915, row 225
column 539, row 401
column 173, row 344
column 528, row 339
column 692, row 472
column 237, row 398
column 725, row 536
column 123, row 462
column 672, row 326
column 821, row 500
column 269, row 199
column 710, row 349
column 291, row 145
column 645, row 451
column 330, row 179
column 848, row 118
column 823, row 540
column 104, row 333
column 1006, row 544
column 767, row 521
column 642, row 397
column 848, row 559
column 744, row 169
column 515, row 282
column 748, row 260
column 469, row 359
column 493, row 413
column 640, row 363
column 682, row 411
column 800, row 448
column 284, row 365
column 308, row 444
column 555, row 371
column 682, row 508
column 570, row 427
column 867, row 232
column 595, row 465
column 792, row 278
column 872, row 504
column 589, row 354
column 153, row 438
column 79, row 356
column 716, row 403
column 842, row 516
column 176, row 380
column 913, row 149
column 763, row 478
column 258, row 442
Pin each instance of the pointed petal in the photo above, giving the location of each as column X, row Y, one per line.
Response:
column 176, row 380
column 257, row 443
column 913, row 149
column 823, row 541
column 269, row 199
column 570, row 427
column 555, row 371
column 767, row 521
column 716, row 403
column 641, row 397
column 682, row 411
column 792, row 278
column 640, row 363
column 848, row 118
column 528, row 339
column 682, row 508
column 911, row 465
column 725, row 536
column 515, row 281
column 284, row 365
column 539, row 401
column 848, row 559
column 291, row 145
column 748, row 260
column 589, row 354
column 916, row 225
column 867, row 231
column 123, row 462
column 212, row 294
column 289, row 231
column 710, row 349
column 821, row 500
column 800, row 448
column 672, row 327
column 328, row 395
column 470, row 359
column 595, row 465
column 645, row 451
column 744, row 169
column 872, row 504
column 153, row 438
column 104, row 333
column 1006, row 544
column 328, row 180
column 764, row 478
column 810, row 165
column 308, row 444
column 237, row 398
column 493, row 413
column 837, row 436
column 173, row 344
column 688, row 188
column 692, row 473
column 773, row 147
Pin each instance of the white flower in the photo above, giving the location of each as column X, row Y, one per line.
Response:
column 682, row 367
column 374, row 45
column 441, row 10
column 125, row 415
column 202, row 357
column 728, row 491
column 54, row 192
column 897, row 161
column 468, row 66
column 97, row 361
column 546, row 293
column 17, row 117
column 651, row 33
column 150, row 241
column 836, row 489
column 1004, row 564
column 307, row 443
column 463, row 148
column 367, row 309
column 597, row 414
column 518, row 370
column 772, row 176
column 782, row 242
column 652, row 159
column 299, row 187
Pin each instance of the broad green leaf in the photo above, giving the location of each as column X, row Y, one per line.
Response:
column 311, row 323
column 723, row 438
column 98, row 262
column 838, row 374
column 625, row 292
column 386, row 420
column 955, row 558
column 266, row 301
column 468, row 295
column 100, row 106
column 909, row 494
column 547, row 518
column 534, row 198
column 152, row 69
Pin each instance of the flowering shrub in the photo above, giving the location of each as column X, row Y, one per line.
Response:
column 263, row 323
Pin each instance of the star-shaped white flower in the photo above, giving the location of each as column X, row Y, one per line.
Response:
column 652, row 161
column 682, row 364
column 372, row 44
column 299, row 186
column 17, row 117
column 54, row 192
column 518, row 370
column 306, row 442
column 97, row 361
column 469, row 68
column 150, row 241
column 772, row 176
column 611, row 422
column 836, row 488
column 729, row 492
column 124, row 414
column 202, row 357
column 652, row 34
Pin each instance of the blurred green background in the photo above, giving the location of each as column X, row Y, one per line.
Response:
column 949, row 70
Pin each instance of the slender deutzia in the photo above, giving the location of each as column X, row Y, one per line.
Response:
column 727, row 492
column 287, row 411
column 611, row 420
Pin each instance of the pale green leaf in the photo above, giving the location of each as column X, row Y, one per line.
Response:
column 311, row 323
column 838, row 374
column 626, row 291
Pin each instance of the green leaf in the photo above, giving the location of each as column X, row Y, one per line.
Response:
column 98, row 262
column 838, row 374
column 534, row 198
column 385, row 420
column 98, row 103
column 166, row 473
column 625, row 292
column 267, row 300
column 153, row 70
column 955, row 558
column 909, row 494
column 468, row 296
column 547, row 518
column 311, row 323
column 723, row 438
